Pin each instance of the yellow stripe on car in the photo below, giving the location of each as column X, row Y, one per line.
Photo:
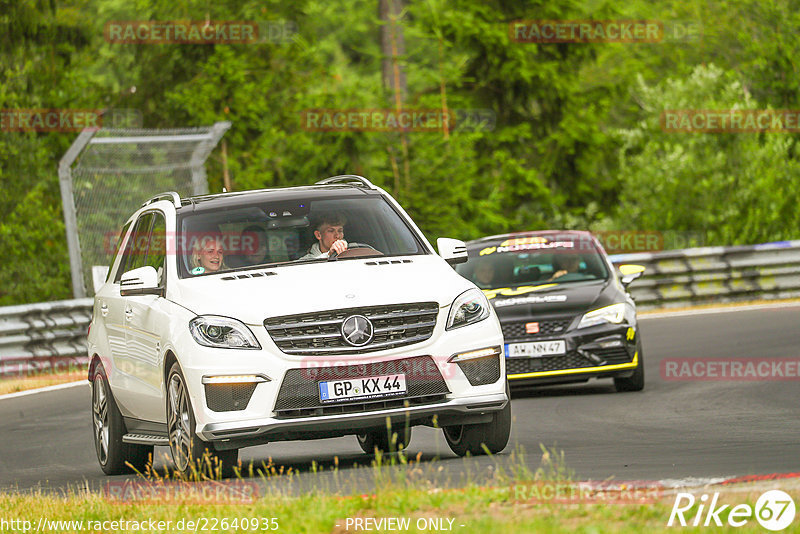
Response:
column 574, row 371
column 508, row 292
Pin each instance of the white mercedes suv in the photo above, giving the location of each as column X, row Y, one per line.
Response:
column 233, row 320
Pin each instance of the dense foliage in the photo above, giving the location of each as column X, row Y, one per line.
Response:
column 575, row 141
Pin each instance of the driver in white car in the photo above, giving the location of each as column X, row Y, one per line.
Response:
column 330, row 236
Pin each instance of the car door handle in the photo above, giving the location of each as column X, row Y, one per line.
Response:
column 104, row 309
column 128, row 313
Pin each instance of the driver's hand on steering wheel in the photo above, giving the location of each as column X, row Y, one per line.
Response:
column 338, row 246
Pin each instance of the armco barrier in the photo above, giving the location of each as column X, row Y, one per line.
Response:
column 46, row 335
column 43, row 336
column 693, row 276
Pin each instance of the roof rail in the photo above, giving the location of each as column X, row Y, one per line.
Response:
column 170, row 195
column 347, row 178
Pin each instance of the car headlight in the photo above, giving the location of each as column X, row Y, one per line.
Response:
column 613, row 314
column 222, row 333
column 469, row 307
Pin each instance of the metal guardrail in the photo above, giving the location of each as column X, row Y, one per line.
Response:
column 43, row 336
column 705, row 275
column 102, row 174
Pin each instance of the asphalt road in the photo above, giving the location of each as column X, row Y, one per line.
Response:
column 671, row 430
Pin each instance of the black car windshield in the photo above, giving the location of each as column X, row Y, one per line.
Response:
column 513, row 262
column 286, row 232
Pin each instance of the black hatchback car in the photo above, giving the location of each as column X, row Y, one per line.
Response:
column 564, row 308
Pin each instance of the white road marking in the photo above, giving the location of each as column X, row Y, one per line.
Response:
column 43, row 390
column 727, row 309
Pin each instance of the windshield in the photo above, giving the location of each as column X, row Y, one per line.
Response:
column 290, row 232
column 534, row 260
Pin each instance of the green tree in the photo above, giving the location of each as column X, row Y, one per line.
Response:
column 738, row 188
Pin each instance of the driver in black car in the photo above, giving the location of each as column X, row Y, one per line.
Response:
column 330, row 236
column 565, row 264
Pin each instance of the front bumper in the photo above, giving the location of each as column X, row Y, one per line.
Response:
column 605, row 351
column 470, row 410
column 258, row 415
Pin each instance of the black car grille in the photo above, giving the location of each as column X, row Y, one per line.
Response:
column 614, row 355
column 481, row 371
column 228, row 397
column 547, row 327
column 311, row 334
column 299, row 393
column 571, row 360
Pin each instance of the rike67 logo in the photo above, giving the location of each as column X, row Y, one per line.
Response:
column 774, row 510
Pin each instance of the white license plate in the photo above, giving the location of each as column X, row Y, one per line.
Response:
column 361, row 388
column 536, row 349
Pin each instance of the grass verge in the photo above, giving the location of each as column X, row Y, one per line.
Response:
column 401, row 502
column 15, row 384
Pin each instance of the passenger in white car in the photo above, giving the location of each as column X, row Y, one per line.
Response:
column 208, row 255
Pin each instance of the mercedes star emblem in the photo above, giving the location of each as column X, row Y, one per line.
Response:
column 357, row 330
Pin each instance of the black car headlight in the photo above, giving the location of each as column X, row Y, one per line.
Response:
column 222, row 333
column 469, row 307
column 614, row 314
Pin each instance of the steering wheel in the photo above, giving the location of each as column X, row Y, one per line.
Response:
column 356, row 250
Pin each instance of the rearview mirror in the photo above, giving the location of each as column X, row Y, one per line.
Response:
column 141, row 281
column 629, row 273
column 452, row 250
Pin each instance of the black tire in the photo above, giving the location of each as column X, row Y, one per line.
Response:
column 190, row 454
column 635, row 382
column 494, row 435
column 385, row 440
column 114, row 456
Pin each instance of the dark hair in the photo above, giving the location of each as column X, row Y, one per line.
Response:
column 562, row 261
column 331, row 218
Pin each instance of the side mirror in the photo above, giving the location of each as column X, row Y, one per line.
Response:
column 629, row 273
column 141, row 281
column 452, row 250
column 99, row 276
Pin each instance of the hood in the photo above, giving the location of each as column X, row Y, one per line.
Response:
column 313, row 287
column 545, row 299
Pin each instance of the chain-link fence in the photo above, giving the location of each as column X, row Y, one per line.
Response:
column 107, row 174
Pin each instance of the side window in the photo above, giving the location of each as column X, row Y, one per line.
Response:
column 157, row 252
column 117, row 251
column 136, row 251
column 142, row 238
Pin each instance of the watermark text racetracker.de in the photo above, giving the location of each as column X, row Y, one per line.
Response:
column 194, row 524
column 394, row 120
column 730, row 369
column 199, row 32
column 67, row 119
column 247, row 242
column 730, row 120
column 184, row 492
column 602, row 31
column 421, row 368
column 588, row 492
column 49, row 120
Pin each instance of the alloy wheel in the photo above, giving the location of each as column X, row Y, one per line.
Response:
column 100, row 418
column 180, row 437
